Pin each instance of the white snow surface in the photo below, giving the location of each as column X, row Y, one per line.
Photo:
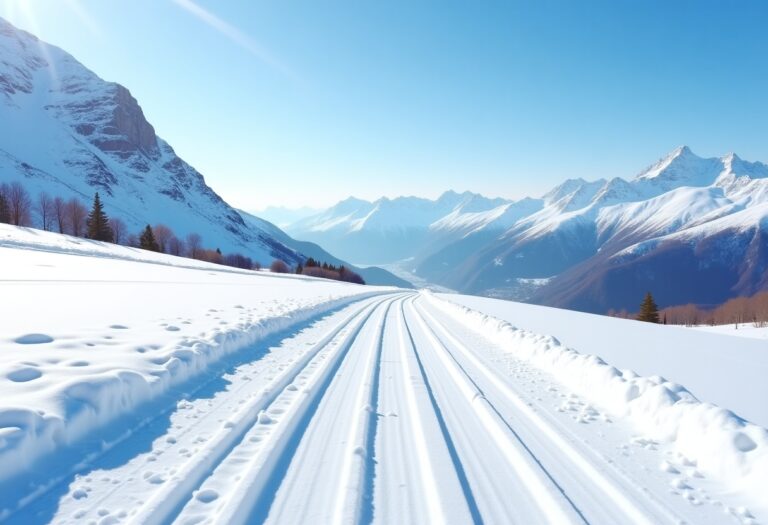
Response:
column 91, row 330
column 717, row 440
column 143, row 388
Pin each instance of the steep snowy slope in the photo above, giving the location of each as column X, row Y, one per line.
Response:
column 65, row 131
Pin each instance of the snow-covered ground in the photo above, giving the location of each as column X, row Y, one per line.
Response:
column 715, row 367
column 167, row 390
column 738, row 330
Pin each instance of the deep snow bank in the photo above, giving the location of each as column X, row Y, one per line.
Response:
column 721, row 444
column 87, row 338
column 725, row 370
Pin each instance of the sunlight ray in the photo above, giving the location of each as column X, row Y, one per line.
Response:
column 26, row 11
column 235, row 35
column 84, row 16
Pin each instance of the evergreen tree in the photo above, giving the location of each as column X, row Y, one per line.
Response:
column 299, row 269
column 5, row 213
column 649, row 312
column 147, row 240
column 98, row 222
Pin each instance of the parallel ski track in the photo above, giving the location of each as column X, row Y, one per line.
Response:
column 388, row 402
column 620, row 499
column 263, row 454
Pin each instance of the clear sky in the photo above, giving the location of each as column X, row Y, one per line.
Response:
column 294, row 102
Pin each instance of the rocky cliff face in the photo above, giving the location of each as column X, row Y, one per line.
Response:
column 69, row 133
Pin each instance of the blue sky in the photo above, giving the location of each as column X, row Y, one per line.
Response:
column 281, row 102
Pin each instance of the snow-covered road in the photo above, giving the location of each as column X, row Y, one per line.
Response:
column 384, row 411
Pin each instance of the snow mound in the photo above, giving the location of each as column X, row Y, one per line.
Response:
column 716, row 440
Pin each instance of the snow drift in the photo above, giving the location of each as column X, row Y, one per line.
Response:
column 714, row 439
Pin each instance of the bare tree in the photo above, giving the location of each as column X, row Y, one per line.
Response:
column 132, row 240
column 163, row 235
column 194, row 244
column 118, row 229
column 19, row 204
column 213, row 256
column 5, row 213
column 278, row 266
column 175, row 246
column 76, row 213
column 45, row 211
column 60, row 214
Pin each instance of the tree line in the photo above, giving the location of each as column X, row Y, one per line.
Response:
column 738, row 311
column 72, row 217
column 313, row 268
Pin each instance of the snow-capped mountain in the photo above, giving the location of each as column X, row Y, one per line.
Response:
column 67, row 132
column 690, row 229
column 386, row 230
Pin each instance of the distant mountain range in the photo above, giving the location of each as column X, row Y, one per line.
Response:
column 67, row 132
column 282, row 216
column 687, row 228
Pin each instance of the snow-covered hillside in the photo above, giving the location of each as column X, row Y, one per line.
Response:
column 143, row 388
column 66, row 132
column 69, row 133
column 681, row 222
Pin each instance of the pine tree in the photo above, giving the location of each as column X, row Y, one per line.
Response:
column 98, row 222
column 147, row 240
column 5, row 214
column 299, row 269
column 649, row 312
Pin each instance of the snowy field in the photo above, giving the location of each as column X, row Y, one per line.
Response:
column 142, row 388
column 710, row 362
column 742, row 330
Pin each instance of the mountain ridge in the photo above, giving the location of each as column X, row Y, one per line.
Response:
column 584, row 231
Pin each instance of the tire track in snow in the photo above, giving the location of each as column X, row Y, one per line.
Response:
column 599, row 483
column 261, row 460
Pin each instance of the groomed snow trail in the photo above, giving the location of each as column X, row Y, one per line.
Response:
column 384, row 411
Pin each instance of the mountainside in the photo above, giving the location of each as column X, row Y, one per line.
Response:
column 68, row 133
column 689, row 229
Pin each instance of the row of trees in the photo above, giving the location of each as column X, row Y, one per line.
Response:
column 46, row 212
column 313, row 268
column 739, row 310
column 72, row 217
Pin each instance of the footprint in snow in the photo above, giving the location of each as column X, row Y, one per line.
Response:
column 33, row 339
column 206, row 495
column 22, row 375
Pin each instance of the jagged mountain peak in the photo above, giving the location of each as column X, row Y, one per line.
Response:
column 69, row 133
